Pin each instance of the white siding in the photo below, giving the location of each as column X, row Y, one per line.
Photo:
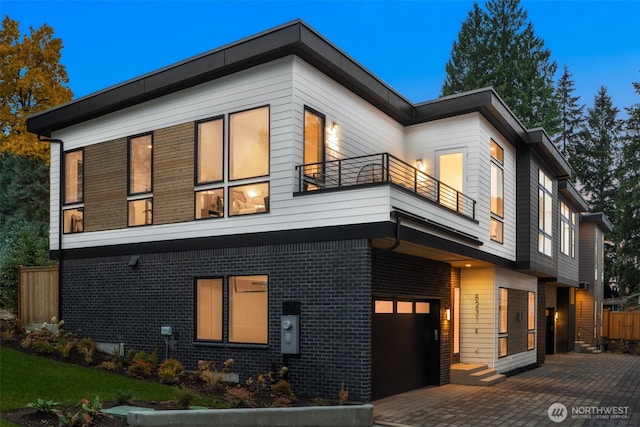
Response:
column 479, row 334
column 478, row 337
column 54, row 198
column 363, row 129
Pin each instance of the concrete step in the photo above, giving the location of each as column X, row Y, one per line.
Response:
column 493, row 379
column 582, row 347
column 474, row 374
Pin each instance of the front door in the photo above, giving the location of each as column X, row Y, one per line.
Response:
column 550, row 332
column 406, row 345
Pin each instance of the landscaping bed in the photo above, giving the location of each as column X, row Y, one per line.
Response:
column 204, row 387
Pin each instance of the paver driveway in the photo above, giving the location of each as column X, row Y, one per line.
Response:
column 596, row 389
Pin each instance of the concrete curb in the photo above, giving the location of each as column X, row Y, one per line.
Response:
column 308, row 416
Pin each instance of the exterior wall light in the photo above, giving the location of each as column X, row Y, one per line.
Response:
column 332, row 138
column 448, row 314
column 420, row 164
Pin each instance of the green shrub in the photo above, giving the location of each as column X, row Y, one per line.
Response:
column 42, row 347
column 140, row 368
column 185, row 397
column 123, row 397
column 43, row 406
column 87, row 349
column 170, row 371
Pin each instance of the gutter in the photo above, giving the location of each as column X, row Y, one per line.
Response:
column 60, row 223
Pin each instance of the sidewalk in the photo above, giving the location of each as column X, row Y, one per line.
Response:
column 596, row 389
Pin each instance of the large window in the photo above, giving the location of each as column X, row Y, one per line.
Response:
column 497, row 192
column 545, row 213
column 450, row 170
column 568, row 230
column 313, row 142
column 249, row 144
column 73, row 214
column 209, row 151
column 248, row 309
column 247, row 320
column 140, row 201
column 503, row 309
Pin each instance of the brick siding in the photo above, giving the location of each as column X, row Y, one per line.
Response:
column 109, row 301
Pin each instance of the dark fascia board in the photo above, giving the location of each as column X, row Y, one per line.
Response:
column 293, row 38
column 600, row 219
column 542, row 144
column 485, row 101
column 568, row 190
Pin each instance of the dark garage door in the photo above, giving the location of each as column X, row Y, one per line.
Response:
column 406, row 345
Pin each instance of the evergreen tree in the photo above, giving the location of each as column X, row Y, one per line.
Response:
column 571, row 115
column 627, row 229
column 499, row 48
column 597, row 156
column 596, row 160
column 31, row 80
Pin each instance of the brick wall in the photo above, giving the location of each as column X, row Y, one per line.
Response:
column 105, row 299
column 402, row 275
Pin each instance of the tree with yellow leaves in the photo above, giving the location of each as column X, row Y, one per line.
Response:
column 31, row 80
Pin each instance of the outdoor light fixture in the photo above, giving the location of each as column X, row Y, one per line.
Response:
column 420, row 164
column 556, row 315
column 133, row 261
column 448, row 312
column 333, row 136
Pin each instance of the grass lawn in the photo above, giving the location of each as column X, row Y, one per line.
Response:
column 25, row 378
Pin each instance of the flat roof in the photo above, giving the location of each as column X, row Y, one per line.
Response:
column 295, row 38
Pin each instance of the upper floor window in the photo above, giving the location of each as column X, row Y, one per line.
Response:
column 545, row 213
column 313, row 142
column 73, row 216
column 568, row 230
column 497, row 192
column 73, row 176
column 140, row 180
column 450, row 171
column 209, row 151
column 249, row 144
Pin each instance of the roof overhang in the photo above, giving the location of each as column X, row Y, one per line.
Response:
column 295, row 38
column 572, row 195
column 599, row 218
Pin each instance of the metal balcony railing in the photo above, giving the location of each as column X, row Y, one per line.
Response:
column 380, row 169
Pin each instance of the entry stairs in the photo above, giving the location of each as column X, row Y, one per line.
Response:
column 474, row 374
column 583, row 347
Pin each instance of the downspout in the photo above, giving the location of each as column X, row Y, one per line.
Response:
column 60, row 223
column 397, row 242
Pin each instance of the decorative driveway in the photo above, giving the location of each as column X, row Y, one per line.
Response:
column 574, row 389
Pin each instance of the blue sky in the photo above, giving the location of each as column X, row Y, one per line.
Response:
column 405, row 43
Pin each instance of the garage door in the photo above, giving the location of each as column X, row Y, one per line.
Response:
column 406, row 345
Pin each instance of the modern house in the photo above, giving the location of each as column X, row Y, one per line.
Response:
column 275, row 202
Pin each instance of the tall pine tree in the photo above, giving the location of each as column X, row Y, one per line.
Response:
column 595, row 161
column 571, row 115
column 499, row 48
column 627, row 229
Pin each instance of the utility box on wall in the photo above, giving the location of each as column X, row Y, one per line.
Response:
column 290, row 328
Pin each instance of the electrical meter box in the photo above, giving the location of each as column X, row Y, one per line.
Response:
column 290, row 337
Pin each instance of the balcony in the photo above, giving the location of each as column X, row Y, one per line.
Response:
column 382, row 169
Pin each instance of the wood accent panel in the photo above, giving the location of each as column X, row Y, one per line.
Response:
column 37, row 294
column 105, row 186
column 173, row 174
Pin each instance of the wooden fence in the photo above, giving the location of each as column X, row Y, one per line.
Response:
column 621, row 325
column 37, row 294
